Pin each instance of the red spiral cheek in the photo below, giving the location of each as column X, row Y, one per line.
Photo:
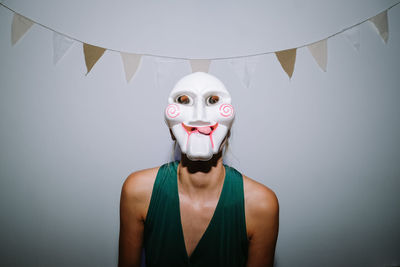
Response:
column 226, row 110
column 172, row 111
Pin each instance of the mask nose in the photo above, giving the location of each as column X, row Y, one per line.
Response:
column 199, row 115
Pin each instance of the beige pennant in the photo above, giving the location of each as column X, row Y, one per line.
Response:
column 380, row 22
column 287, row 58
column 92, row 55
column 200, row 65
column 20, row 25
column 131, row 64
column 319, row 51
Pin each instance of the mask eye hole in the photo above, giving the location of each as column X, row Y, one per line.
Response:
column 183, row 99
column 211, row 100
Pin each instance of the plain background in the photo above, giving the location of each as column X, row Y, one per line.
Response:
column 328, row 144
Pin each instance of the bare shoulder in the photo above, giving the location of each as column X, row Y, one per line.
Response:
column 137, row 189
column 259, row 196
column 140, row 182
column 135, row 200
column 262, row 222
column 261, row 204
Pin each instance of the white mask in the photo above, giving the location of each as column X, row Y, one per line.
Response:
column 200, row 115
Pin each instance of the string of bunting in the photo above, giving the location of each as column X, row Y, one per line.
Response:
column 244, row 67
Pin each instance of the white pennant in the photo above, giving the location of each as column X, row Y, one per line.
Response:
column 200, row 65
column 20, row 25
column 61, row 44
column 244, row 68
column 352, row 35
column 131, row 64
column 380, row 22
column 169, row 71
column 319, row 51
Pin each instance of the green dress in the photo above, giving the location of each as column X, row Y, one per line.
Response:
column 224, row 243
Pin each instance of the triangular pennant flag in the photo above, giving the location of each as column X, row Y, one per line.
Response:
column 287, row 58
column 20, row 25
column 244, row 68
column 131, row 64
column 352, row 35
column 380, row 22
column 61, row 44
column 200, row 65
column 319, row 51
column 92, row 55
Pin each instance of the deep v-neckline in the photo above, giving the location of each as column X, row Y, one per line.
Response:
column 217, row 207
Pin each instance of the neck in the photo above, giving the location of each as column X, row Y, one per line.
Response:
column 201, row 178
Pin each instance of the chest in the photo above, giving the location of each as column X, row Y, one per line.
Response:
column 195, row 219
column 179, row 232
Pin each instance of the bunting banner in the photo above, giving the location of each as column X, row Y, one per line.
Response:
column 319, row 51
column 200, row 65
column 170, row 69
column 287, row 58
column 92, row 55
column 20, row 25
column 61, row 44
column 380, row 22
column 131, row 64
column 244, row 68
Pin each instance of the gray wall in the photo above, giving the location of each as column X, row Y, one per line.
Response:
column 327, row 143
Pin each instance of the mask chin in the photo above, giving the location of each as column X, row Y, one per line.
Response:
column 198, row 158
column 199, row 147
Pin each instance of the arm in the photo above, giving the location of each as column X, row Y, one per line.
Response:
column 262, row 220
column 135, row 199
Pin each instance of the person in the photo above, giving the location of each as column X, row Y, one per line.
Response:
column 197, row 211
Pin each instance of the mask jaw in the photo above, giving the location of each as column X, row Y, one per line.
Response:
column 199, row 148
